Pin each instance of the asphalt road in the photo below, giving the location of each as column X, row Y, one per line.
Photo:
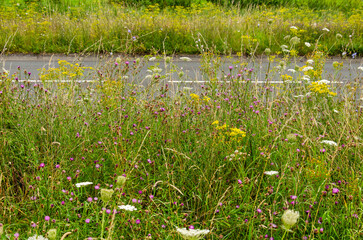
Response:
column 190, row 68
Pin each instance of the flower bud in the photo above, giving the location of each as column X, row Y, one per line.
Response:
column 52, row 234
column 106, row 194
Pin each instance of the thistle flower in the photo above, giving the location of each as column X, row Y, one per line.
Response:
column 106, row 194
column 52, row 234
column 329, row 142
column 127, row 208
column 81, row 184
column 289, row 219
column 121, row 180
column 192, row 234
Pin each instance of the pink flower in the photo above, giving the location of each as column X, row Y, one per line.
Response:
column 47, row 218
column 335, row 190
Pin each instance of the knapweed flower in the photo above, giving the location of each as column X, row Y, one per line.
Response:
column 329, row 142
column 81, row 184
column 271, row 173
column 52, row 234
column 335, row 190
column 106, row 194
column 127, row 208
column 192, row 234
column 289, row 219
column 121, row 180
column 37, row 237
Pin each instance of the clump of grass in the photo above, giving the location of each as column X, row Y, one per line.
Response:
column 228, row 158
column 115, row 28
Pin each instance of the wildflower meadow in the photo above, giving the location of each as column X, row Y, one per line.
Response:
column 233, row 154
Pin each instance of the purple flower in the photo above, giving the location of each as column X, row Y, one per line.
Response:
column 293, row 197
column 335, row 190
column 138, row 221
column 87, row 220
column 47, row 218
column 259, row 210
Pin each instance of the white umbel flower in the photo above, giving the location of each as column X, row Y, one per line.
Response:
column 186, row 59
column 307, row 68
column 326, row 30
column 152, row 59
column 37, row 237
column 81, row 184
column 329, row 142
column 310, row 61
column 360, row 68
column 293, row 27
column 291, row 70
column 289, row 219
column 323, row 81
column 127, row 208
column 271, row 173
column 336, row 111
column 307, row 44
column 192, row 234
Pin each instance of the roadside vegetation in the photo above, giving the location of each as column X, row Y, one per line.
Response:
column 237, row 160
column 246, row 28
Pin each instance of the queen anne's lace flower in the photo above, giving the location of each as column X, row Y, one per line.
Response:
column 329, row 142
column 289, row 219
column 81, row 184
column 271, row 173
column 192, row 234
column 186, row 59
column 127, row 208
column 37, row 237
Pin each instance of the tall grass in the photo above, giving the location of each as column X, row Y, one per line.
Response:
column 195, row 156
column 152, row 30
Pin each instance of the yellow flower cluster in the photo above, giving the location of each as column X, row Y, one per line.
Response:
column 321, row 88
column 229, row 134
column 196, row 98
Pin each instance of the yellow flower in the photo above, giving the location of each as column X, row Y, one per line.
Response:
column 194, row 96
column 215, row 122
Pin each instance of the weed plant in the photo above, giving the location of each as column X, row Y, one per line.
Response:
column 118, row 159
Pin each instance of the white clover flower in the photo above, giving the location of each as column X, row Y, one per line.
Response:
column 323, row 81
column 310, row 61
column 81, row 184
column 360, row 68
column 307, row 68
column 291, row 70
column 127, row 208
column 289, row 219
column 329, row 142
column 293, row 27
column 270, row 173
column 37, row 237
column 186, row 59
column 152, row 59
column 307, row 44
column 192, row 234
column 325, row 29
